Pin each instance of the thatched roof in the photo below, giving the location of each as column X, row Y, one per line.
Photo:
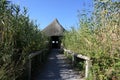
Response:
column 54, row 29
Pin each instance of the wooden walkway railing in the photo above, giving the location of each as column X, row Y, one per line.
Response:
column 39, row 54
column 86, row 58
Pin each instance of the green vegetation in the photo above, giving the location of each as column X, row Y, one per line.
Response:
column 19, row 36
column 99, row 38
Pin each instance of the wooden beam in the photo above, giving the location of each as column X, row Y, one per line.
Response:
column 36, row 53
column 83, row 57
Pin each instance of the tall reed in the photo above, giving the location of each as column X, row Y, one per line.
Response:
column 18, row 37
column 99, row 38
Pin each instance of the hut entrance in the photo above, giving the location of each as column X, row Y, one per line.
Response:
column 55, row 32
column 55, row 42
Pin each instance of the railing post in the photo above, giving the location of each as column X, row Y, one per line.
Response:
column 67, row 54
column 40, row 59
column 73, row 59
column 87, row 62
column 43, row 56
column 29, row 72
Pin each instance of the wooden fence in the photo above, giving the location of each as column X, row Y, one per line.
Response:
column 86, row 58
column 39, row 54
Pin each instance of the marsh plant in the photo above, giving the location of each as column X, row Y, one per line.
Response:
column 18, row 37
column 98, row 37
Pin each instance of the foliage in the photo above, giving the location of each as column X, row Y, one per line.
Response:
column 99, row 38
column 18, row 37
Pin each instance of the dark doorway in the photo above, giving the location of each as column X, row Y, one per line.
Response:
column 55, row 42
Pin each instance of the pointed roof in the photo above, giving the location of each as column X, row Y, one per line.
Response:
column 54, row 29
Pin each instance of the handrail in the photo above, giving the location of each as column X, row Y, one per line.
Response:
column 86, row 58
column 32, row 55
column 36, row 53
column 78, row 55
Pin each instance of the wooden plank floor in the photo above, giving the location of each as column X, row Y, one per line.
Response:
column 57, row 68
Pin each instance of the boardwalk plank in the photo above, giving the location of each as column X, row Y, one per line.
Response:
column 57, row 68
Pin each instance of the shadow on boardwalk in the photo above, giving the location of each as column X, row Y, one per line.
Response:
column 57, row 68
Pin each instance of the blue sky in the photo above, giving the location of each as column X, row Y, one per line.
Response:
column 45, row 11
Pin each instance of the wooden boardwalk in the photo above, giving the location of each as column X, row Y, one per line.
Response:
column 57, row 68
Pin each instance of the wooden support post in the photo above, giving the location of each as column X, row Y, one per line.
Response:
column 73, row 59
column 67, row 54
column 87, row 68
column 40, row 59
column 43, row 56
column 29, row 72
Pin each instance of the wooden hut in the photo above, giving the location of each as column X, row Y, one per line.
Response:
column 55, row 31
